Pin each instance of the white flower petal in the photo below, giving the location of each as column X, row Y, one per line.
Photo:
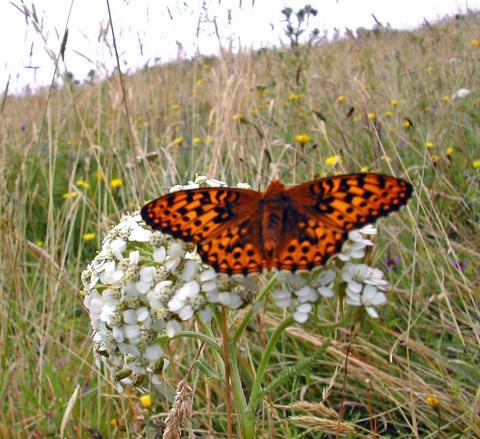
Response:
column 130, row 316
column 325, row 292
column 175, row 304
column 159, row 254
column 143, row 314
column 205, row 315
column 176, row 250
column 208, row 275
column 189, row 270
column 190, row 289
column 140, row 234
column 300, row 317
column 118, row 246
column 172, row 328
column 153, row 353
column 132, row 332
column 186, row 312
column 372, row 312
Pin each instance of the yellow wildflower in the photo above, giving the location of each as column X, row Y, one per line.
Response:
column 446, row 98
column 70, row 195
column 116, row 183
column 89, row 236
column 476, row 163
column 39, row 243
column 200, row 81
column 427, row 109
column 209, row 139
column 341, row 99
column 178, row 140
column 433, row 401
column 450, row 150
column 116, row 423
column 434, row 158
column 394, row 102
column 388, row 113
column 295, row 97
column 475, row 43
column 333, row 160
column 429, row 69
column 302, row 138
column 364, row 169
column 372, row 116
column 429, row 145
column 197, row 140
column 82, row 183
column 261, row 89
column 240, row 117
column 406, row 123
column 146, row 401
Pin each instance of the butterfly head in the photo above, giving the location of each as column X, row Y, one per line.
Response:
column 274, row 187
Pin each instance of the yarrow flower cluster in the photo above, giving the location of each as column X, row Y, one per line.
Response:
column 143, row 284
column 364, row 285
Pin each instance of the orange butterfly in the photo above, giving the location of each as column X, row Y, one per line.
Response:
column 242, row 231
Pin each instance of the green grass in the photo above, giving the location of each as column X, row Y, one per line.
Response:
column 426, row 342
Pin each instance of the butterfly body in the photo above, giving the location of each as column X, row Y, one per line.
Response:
column 271, row 208
column 241, row 231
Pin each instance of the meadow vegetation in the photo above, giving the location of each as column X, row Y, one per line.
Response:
column 72, row 162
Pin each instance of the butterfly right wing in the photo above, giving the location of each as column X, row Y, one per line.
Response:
column 348, row 202
column 306, row 242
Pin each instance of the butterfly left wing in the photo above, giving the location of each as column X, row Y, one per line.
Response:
column 237, row 250
column 199, row 215
column 348, row 202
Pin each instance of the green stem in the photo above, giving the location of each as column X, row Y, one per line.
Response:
column 262, row 368
column 198, row 335
column 245, row 417
column 249, row 315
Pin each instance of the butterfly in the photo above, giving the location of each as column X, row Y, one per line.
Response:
column 242, row 231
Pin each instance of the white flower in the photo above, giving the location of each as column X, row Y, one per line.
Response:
column 302, row 312
column 361, row 273
column 172, row 328
column 323, row 282
column 140, row 234
column 282, row 297
column 299, row 292
column 365, row 287
column 461, row 93
column 372, row 297
column 354, row 247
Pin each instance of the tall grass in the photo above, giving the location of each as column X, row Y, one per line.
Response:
column 381, row 101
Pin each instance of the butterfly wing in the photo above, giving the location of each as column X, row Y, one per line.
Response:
column 306, row 242
column 198, row 215
column 236, row 250
column 320, row 214
column 221, row 221
column 348, row 202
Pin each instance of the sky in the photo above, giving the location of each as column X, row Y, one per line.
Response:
column 155, row 31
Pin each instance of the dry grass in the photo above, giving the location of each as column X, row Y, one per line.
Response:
column 426, row 342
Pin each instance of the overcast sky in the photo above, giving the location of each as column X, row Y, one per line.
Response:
column 147, row 31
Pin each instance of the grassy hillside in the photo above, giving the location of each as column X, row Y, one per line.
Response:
column 72, row 162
